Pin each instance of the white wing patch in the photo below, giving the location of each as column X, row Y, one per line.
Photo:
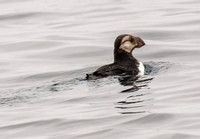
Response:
column 141, row 69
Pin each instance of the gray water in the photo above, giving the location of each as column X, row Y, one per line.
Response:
column 47, row 47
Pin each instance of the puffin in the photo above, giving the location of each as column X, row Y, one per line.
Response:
column 124, row 62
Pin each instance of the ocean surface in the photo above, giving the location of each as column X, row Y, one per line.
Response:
column 47, row 47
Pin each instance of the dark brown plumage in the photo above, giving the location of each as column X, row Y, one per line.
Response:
column 124, row 62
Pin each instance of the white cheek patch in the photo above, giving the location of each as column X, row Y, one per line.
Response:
column 126, row 38
column 127, row 46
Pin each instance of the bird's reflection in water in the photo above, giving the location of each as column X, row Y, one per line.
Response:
column 135, row 103
column 136, row 83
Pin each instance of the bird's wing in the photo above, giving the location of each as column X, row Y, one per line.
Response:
column 108, row 70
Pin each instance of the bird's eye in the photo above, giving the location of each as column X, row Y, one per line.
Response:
column 131, row 40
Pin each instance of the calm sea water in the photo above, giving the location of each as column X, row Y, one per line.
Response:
column 47, row 47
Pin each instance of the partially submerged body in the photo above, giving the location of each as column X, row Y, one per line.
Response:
column 124, row 62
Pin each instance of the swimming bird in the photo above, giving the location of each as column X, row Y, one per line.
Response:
column 124, row 62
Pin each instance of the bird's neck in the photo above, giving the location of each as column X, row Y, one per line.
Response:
column 124, row 58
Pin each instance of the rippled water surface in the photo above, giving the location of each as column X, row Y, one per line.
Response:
column 47, row 47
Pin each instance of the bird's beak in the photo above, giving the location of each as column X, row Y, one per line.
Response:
column 139, row 42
